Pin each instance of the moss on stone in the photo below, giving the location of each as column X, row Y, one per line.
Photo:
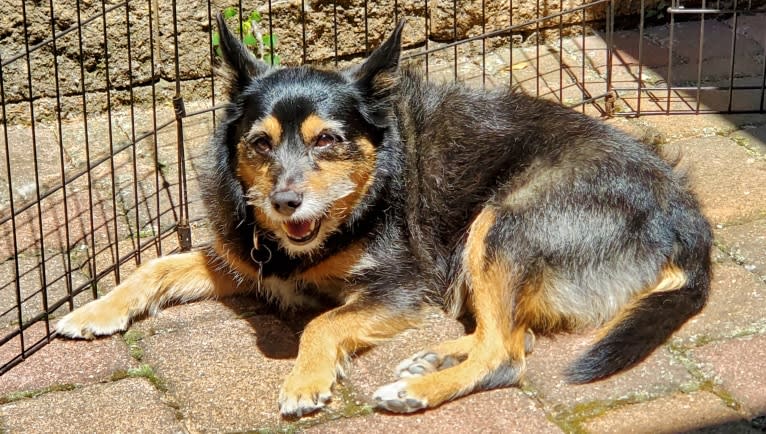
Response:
column 15, row 396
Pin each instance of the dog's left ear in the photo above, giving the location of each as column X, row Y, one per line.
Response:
column 241, row 65
column 378, row 76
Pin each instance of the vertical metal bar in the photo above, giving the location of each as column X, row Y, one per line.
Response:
column 62, row 166
column 483, row 46
column 115, row 247
column 537, row 48
column 212, row 57
column 241, row 19
column 763, row 75
column 89, row 174
column 272, row 51
column 335, row 29
column 184, row 233
column 454, row 38
column 427, row 34
column 584, row 91
column 561, row 56
column 733, row 57
column 510, row 43
column 700, row 53
column 366, row 31
column 609, row 105
column 12, row 206
column 303, row 31
column 640, row 58
column 670, row 61
column 137, row 243
column 33, row 128
column 155, row 142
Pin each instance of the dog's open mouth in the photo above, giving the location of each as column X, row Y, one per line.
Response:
column 301, row 232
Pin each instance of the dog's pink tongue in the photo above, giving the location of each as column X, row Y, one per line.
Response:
column 299, row 229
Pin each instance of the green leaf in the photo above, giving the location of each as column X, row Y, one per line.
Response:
column 250, row 40
column 218, row 52
column 230, row 12
column 216, row 39
column 272, row 59
column 246, row 26
column 255, row 16
column 270, row 41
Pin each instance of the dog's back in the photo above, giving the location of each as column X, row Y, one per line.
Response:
column 589, row 224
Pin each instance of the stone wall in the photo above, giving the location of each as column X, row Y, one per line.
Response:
column 138, row 45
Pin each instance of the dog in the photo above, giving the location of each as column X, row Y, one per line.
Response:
column 388, row 194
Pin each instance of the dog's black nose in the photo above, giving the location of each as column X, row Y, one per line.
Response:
column 286, row 202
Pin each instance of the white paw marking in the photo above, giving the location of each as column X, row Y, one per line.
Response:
column 97, row 318
column 395, row 398
column 302, row 405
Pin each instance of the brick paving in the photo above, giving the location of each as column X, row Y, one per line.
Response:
column 216, row 366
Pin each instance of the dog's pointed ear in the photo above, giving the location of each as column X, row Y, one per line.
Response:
column 379, row 73
column 240, row 64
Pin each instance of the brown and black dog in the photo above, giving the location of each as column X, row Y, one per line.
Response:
column 388, row 193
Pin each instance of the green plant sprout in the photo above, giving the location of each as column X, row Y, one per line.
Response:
column 263, row 45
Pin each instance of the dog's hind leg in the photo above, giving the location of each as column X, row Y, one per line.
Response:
column 493, row 356
column 173, row 278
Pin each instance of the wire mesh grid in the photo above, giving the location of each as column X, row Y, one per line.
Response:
column 107, row 106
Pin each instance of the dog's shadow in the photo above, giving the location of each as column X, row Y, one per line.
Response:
column 277, row 332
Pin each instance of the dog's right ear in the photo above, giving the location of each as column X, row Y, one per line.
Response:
column 240, row 63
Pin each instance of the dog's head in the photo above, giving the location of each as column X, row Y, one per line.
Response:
column 306, row 142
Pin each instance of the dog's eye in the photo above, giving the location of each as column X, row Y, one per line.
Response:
column 261, row 144
column 325, row 140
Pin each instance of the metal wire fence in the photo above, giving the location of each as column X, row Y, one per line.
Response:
column 107, row 105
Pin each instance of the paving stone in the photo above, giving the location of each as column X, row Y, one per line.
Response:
column 679, row 127
column 686, row 46
column 753, row 138
column 225, row 375
column 746, row 243
column 179, row 317
column 66, row 361
column 739, row 365
column 496, row 411
column 751, row 26
column 130, row 405
column 657, row 375
column 694, row 412
column 736, row 306
column 725, row 193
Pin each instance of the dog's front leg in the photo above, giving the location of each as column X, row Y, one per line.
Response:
column 173, row 278
column 325, row 345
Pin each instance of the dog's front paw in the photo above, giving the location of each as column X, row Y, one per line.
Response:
column 97, row 318
column 305, row 393
column 424, row 362
column 397, row 398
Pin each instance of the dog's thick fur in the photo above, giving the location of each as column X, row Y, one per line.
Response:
column 386, row 193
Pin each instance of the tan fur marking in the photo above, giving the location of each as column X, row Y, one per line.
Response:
column 671, row 278
column 271, row 126
column 312, row 126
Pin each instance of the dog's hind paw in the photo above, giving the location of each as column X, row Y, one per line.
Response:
column 395, row 398
column 422, row 363
column 97, row 318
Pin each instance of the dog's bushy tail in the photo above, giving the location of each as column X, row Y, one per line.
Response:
column 653, row 316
